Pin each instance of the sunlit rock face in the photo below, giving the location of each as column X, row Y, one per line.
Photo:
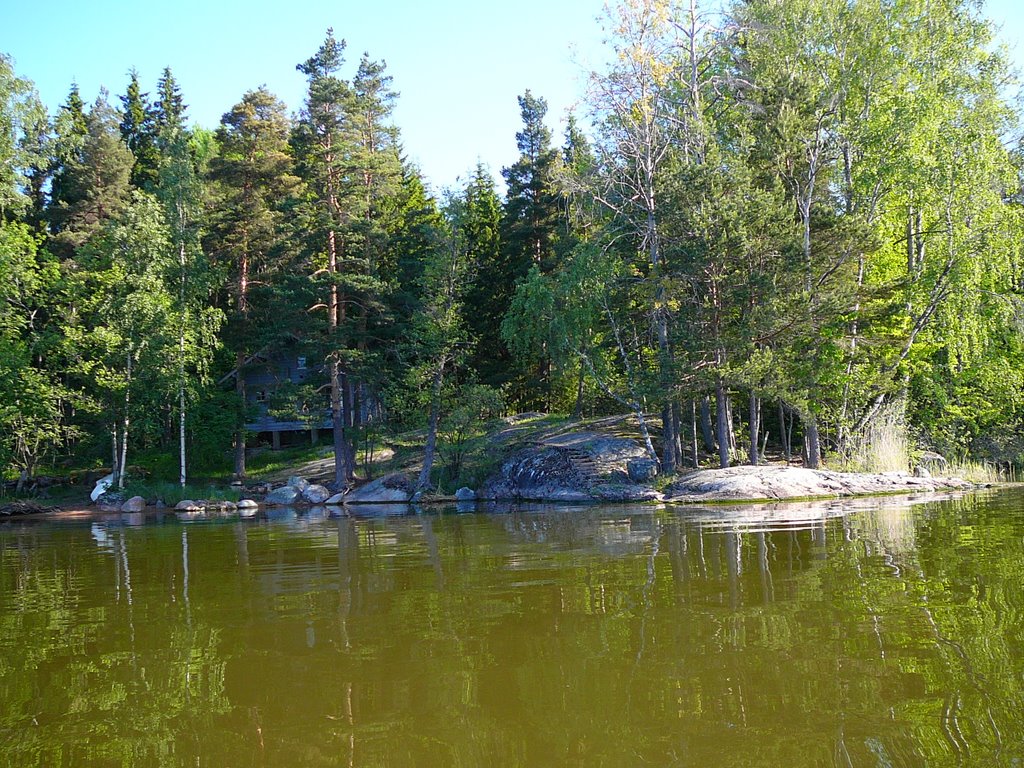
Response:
column 774, row 482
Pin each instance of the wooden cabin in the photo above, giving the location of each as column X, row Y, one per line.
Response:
column 268, row 377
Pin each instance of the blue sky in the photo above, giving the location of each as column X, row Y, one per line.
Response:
column 458, row 64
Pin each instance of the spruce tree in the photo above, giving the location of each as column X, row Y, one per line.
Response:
column 92, row 182
column 139, row 133
column 490, row 295
column 169, row 109
column 530, row 223
column 70, row 130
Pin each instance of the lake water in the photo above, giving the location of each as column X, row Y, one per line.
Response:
column 870, row 633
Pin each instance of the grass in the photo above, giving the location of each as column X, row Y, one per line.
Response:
column 978, row 472
column 265, row 462
column 882, row 447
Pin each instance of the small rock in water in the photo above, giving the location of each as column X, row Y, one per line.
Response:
column 188, row 505
column 336, row 499
column 465, row 494
column 247, row 504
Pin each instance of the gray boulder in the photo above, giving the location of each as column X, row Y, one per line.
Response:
column 315, row 494
column 299, row 483
column 932, row 461
column 335, row 500
column 540, row 474
column 188, row 505
column 642, row 470
column 134, row 504
column 284, row 496
column 247, row 504
column 921, row 471
column 384, row 490
column 112, row 499
column 576, row 466
column 465, row 494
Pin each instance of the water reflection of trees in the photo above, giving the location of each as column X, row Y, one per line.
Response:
column 597, row 636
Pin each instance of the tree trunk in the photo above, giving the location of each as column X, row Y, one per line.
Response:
column 645, row 433
column 784, row 434
column 435, row 410
column 122, row 464
column 731, row 421
column 181, row 433
column 341, row 474
column 755, row 428
column 577, row 409
column 677, row 430
column 240, row 426
column 181, row 362
column 668, row 447
column 693, row 424
column 705, row 424
column 813, row 442
column 347, row 420
column 115, row 467
column 722, row 413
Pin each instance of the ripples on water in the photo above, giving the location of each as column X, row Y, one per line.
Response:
column 875, row 632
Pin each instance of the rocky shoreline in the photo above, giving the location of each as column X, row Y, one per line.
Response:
column 592, row 467
column 576, row 467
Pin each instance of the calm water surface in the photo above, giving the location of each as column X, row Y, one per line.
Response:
column 875, row 634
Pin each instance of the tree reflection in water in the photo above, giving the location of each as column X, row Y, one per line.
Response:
column 874, row 633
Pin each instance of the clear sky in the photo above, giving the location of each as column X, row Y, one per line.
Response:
column 458, row 64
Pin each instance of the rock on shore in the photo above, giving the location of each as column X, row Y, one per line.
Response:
column 774, row 482
column 578, row 466
column 587, row 467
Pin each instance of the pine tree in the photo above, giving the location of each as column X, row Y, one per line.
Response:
column 322, row 139
column 254, row 174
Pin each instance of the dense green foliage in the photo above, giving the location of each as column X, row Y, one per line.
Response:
column 798, row 221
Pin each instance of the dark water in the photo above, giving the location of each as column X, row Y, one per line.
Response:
column 881, row 634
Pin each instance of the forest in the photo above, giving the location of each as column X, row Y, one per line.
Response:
column 791, row 228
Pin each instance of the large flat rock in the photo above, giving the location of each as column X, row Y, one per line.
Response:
column 779, row 482
column 388, row 489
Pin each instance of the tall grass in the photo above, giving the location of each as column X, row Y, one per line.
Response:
column 979, row 471
column 883, row 446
